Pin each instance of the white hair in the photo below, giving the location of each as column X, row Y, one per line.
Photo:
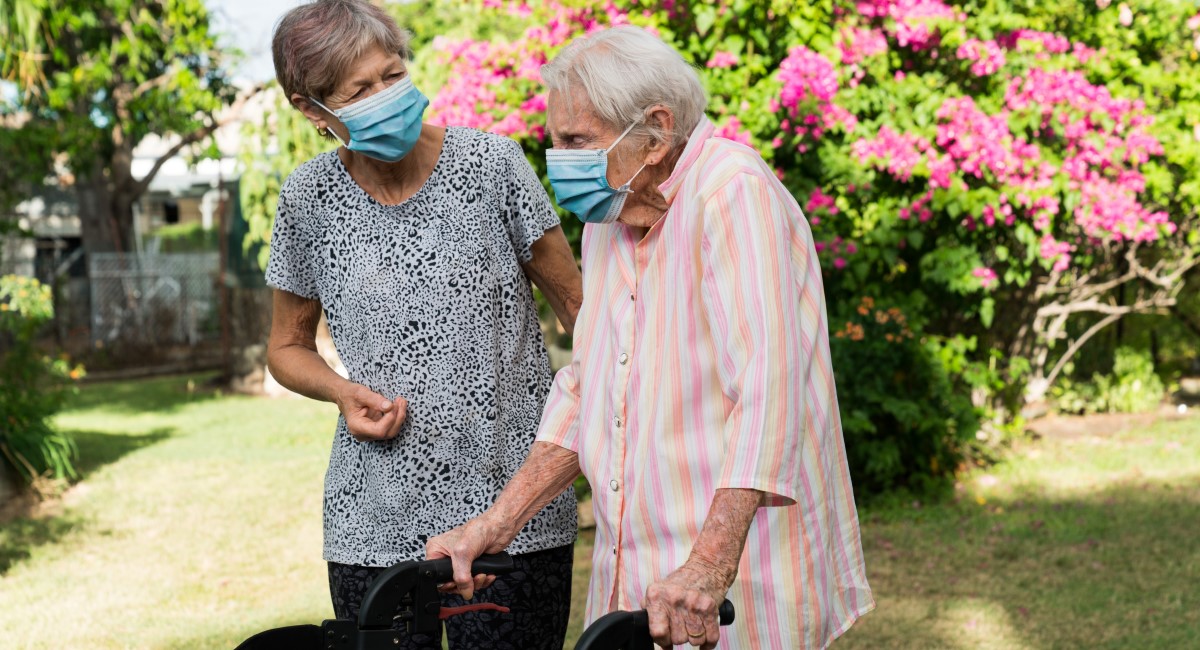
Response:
column 625, row 70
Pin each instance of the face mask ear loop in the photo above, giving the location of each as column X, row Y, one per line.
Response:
column 625, row 189
column 327, row 129
column 620, row 138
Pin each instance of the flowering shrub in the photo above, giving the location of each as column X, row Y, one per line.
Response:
column 963, row 160
column 32, row 386
column 904, row 422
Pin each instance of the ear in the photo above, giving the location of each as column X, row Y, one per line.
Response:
column 315, row 114
column 663, row 119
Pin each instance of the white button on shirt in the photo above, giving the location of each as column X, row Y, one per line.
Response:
column 730, row 386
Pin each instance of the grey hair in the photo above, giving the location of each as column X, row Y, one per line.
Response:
column 316, row 44
column 625, row 70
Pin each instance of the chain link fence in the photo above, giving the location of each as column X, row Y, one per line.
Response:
column 155, row 299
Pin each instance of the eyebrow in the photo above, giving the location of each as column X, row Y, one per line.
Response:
column 391, row 68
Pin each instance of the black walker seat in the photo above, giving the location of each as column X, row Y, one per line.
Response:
column 411, row 589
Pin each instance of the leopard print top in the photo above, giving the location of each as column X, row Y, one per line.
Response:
column 427, row 300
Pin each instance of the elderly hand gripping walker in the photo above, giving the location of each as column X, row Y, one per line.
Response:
column 410, row 588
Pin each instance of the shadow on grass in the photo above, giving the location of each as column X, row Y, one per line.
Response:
column 97, row 449
column 1112, row 569
column 158, row 395
column 20, row 536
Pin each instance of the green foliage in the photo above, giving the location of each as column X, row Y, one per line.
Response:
column 292, row 140
column 32, row 385
column 93, row 80
column 905, row 417
column 186, row 238
column 1132, row 387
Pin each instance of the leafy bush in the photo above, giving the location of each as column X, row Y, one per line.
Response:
column 186, row 238
column 905, row 421
column 1000, row 170
column 1132, row 387
column 32, row 386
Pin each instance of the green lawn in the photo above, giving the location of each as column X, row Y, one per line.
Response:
column 197, row 523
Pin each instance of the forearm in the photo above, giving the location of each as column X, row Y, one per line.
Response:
column 719, row 547
column 547, row 471
column 302, row 370
column 554, row 270
column 565, row 301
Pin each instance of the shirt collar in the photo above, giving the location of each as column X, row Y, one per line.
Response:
column 695, row 144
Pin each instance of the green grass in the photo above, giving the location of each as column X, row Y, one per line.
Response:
column 197, row 523
column 1085, row 542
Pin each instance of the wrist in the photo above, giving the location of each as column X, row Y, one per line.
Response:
column 498, row 527
column 720, row 571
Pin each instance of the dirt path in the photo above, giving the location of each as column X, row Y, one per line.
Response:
column 1107, row 424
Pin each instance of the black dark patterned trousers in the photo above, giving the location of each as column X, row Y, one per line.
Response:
column 538, row 593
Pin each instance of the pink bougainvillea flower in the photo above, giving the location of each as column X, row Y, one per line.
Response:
column 987, row 55
column 732, row 130
column 819, row 200
column 912, row 20
column 857, row 44
column 723, row 60
column 986, row 276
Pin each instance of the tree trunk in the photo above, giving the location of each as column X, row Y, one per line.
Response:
column 105, row 213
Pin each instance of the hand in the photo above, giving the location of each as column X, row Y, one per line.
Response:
column 682, row 607
column 370, row 416
column 462, row 545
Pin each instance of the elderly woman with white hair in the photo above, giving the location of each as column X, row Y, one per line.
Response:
column 418, row 243
column 700, row 402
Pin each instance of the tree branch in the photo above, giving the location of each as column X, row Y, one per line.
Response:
column 1078, row 343
column 230, row 115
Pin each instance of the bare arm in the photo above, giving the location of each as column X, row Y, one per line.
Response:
column 294, row 362
column 554, row 271
column 683, row 606
column 547, row 471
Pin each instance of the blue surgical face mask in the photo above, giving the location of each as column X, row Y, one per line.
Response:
column 386, row 125
column 579, row 178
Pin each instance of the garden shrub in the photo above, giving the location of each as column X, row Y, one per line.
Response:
column 1132, row 387
column 186, row 238
column 997, row 170
column 33, row 386
column 905, row 422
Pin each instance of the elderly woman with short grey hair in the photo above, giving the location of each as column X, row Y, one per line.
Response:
column 418, row 244
column 700, row 402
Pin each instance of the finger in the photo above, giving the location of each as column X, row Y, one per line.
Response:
column 461, row 559
column 679, row 628
column 694, row 627
column 660, row 624
column 365, row 429
column 397, row 421
column 483, row 581
column 712, row 634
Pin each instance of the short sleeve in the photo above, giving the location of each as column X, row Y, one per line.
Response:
column 292, row 267
column 750, row 292
column 560, row 419
column 525, row 207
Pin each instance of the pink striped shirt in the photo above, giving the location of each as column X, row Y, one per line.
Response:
column 701, row 362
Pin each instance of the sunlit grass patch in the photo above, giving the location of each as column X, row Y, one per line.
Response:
column 1087, row 542
column 198, row 523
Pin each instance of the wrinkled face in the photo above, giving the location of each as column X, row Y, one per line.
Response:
column 573, row 124
column 373, row 72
